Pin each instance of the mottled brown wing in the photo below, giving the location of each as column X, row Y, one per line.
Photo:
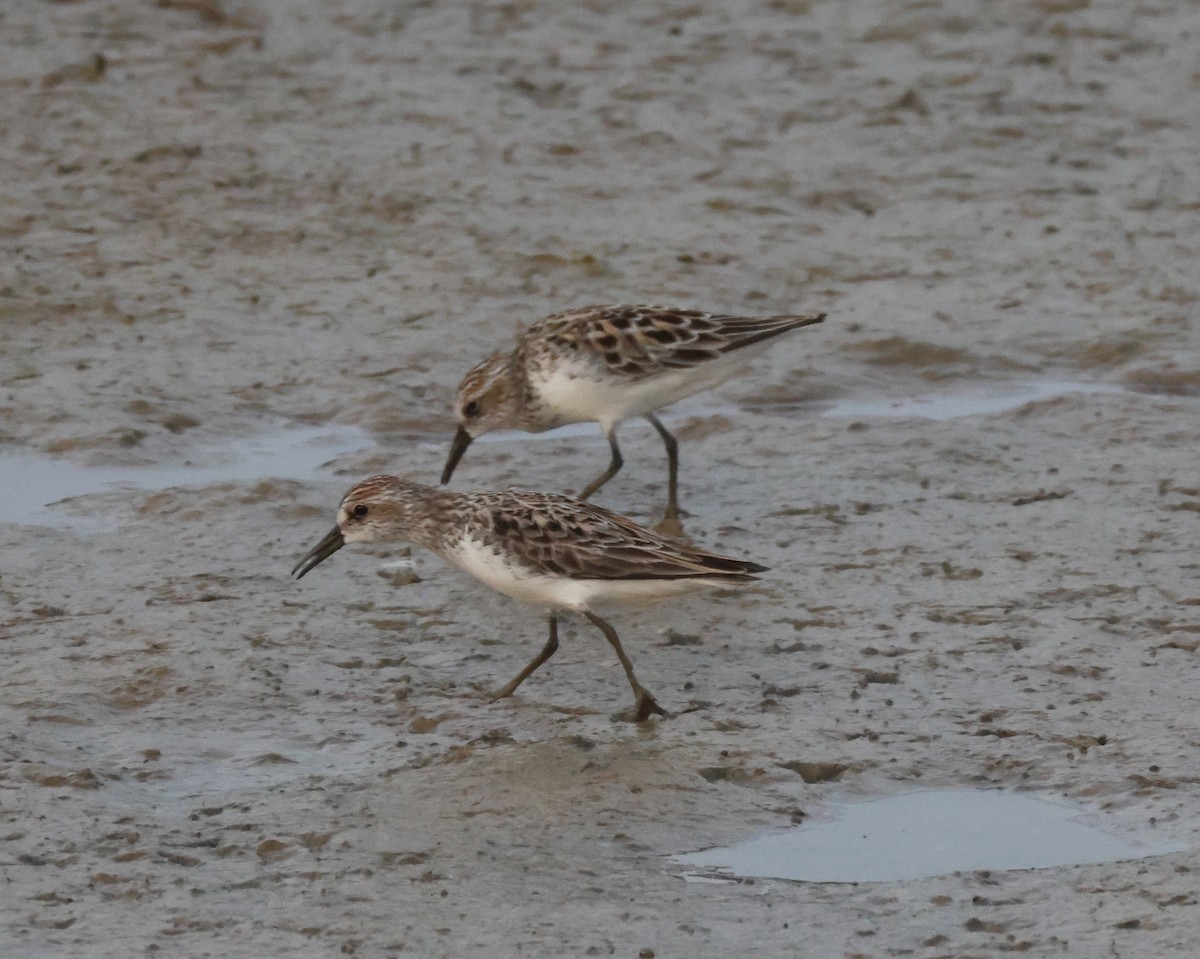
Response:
column 565, row 537
column 639, row 341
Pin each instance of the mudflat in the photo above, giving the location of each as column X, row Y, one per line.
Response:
column 250, row 248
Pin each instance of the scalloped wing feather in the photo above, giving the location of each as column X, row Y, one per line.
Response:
column 560, row 536
column 640, row 341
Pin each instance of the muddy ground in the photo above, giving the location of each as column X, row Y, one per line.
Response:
column 225, row 220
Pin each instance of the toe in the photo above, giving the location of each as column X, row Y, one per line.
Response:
column 645, row 707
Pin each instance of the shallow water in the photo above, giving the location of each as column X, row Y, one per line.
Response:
column 975, row 402
column 981, row 400
column 929, row 833
column 34, row 483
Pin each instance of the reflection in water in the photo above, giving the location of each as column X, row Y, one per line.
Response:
column 929, row 833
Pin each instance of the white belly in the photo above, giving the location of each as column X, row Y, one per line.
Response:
column 580, row 393
column 489, row 566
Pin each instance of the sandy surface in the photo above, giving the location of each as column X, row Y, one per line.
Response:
column 222, row 220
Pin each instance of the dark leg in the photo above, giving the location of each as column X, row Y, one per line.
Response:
column 643, row 703
column 547, row 651
column 614, row 465
column 670, row 521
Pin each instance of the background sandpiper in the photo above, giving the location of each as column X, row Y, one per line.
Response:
column 606, row 364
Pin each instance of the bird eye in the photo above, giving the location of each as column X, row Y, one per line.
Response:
column 471, row 409
column 361, row 510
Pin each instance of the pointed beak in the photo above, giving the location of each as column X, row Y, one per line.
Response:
column 462, row 439
column 319, row 553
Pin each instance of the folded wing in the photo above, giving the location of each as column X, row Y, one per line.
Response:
column 561, row 536
column 638, row 341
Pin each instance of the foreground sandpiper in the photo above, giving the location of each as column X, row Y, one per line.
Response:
column 541, row 548
column 606, row 364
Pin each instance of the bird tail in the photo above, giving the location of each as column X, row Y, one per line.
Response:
column 747, row 334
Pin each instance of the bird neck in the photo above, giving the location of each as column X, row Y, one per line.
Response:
column 424, row 513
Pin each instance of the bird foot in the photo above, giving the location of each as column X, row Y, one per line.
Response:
column 502, row 693
column 645, row 706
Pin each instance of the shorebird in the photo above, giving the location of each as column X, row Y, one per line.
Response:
column 542, row 548
column 606, row 364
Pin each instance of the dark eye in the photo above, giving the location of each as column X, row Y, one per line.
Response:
column 361, row 510
column 471, row 409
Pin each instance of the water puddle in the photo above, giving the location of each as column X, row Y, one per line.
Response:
column 924, row 834
column 34, row 483
column 979, row 400
column 976, row 402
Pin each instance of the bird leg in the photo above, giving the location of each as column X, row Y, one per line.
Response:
column 670, row 523
column 643, row 703
column 614, row 465
column 547, row 651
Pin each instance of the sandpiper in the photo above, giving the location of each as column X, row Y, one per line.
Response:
column 541, row 548
column 606, row 364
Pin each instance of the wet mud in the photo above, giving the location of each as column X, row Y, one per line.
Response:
column 975, row 485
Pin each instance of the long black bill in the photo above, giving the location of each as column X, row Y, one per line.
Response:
column 319, row 553
column 462, row 439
